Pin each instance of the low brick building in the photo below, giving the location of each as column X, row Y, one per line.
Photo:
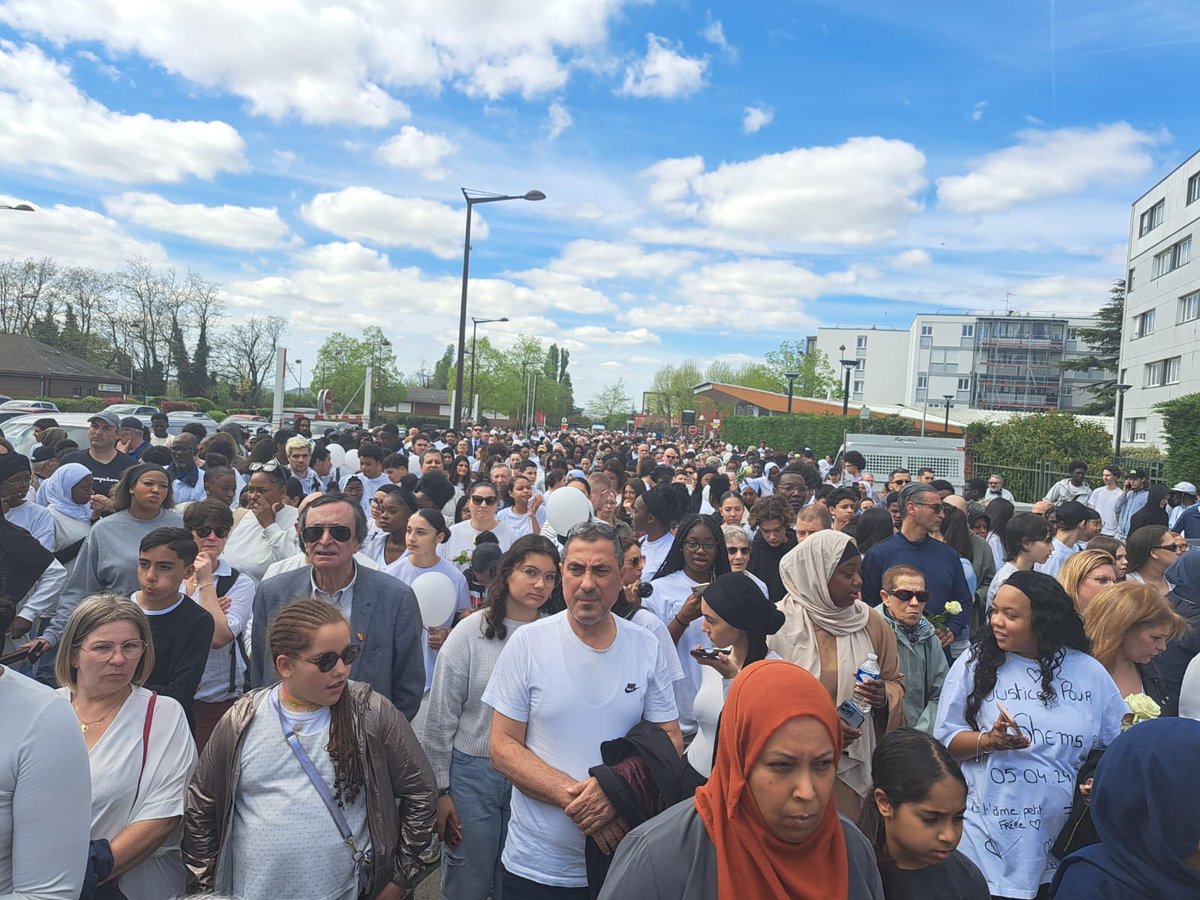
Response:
column 30, row 369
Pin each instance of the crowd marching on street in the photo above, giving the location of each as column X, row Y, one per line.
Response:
column 336, row 663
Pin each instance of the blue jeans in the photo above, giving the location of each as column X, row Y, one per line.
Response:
column 472, row 870
column 518, row 888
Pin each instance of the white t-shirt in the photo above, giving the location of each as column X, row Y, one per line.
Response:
column 251, row 548
column 654, row 552
column 307, row 858
column 519, row 524
column 670, row 593
column 1019, row 800
column 37, row 520
column 1002, row 575
column 572, row 699
column 116, row 761
column 462, row 540
column 404, row 569
column 710, row 700
column 1104, row 501
column 1189, row 691
column 214, row 683
column 1059, row 555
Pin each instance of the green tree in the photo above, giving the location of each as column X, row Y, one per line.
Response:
column 1056, row 436
column 1104, row 341
column 612, row 404
column 671, row 390
column 441, row 371
column 818, row 379
column 1181, row 427
column 342, row 363
column 201, row 380
column 178, row 362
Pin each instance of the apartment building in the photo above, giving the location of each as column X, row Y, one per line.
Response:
column 878, row 351
column 1162, row 302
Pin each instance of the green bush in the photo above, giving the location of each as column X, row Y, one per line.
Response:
column 1056, row 436
column 217, row 414
column 79, row 404
column 823, row 433
column 1181, row 426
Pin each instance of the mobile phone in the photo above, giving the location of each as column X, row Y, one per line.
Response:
column 699, row 589
column 851, row 714
column 1010, row 723
column 13, row 658
column 711, row 653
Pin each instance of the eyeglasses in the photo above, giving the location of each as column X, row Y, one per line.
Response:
column 313, row 533
column 939, row 508
column 993, row 484
column 326, row 661
column 1178, row 548
column 107, row 650
column 902, row 481
column 638, row 562
column 480, row 500
column 739, row 551
column 906, row 596
column 532, row 574
column 706, row 546
column 205, row 530
column 269, row 466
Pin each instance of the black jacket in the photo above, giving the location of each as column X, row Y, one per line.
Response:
column 764, row 562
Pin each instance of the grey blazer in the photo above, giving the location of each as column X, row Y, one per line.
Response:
column 384, row 619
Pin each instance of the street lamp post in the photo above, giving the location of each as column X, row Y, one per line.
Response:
column 299, row 381
column 1121, row 389
column 384, row 342
column 473, row 197
column 946, row 423
column 851, row 365
column 475, row 323
column 791, row 380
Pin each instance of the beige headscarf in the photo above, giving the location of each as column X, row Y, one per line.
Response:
column 805, row 571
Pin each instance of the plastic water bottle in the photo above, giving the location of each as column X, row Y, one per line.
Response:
column 868, row 670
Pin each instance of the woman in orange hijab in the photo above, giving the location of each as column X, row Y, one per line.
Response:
column 764, row 827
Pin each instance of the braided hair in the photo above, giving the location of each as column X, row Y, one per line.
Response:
column 291, row 634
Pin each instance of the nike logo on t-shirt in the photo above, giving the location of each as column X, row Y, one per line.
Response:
column 630, row 688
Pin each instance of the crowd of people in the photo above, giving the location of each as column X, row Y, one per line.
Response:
column 726, row 673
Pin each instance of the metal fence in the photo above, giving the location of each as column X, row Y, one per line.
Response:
column 1030, row 484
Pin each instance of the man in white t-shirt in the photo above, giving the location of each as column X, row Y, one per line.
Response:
column 1104, row 500
column 562, row 686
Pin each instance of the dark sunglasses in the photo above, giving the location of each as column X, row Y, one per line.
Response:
column 269, row 466
column 906, row 596
column 205, row 530
column 483, row 501
column 313, row 533
column 326, row 661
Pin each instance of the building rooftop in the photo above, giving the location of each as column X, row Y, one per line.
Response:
column 21, row 355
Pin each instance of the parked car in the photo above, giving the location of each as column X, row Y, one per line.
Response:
column 11, row 412
column 29, row 404
column 245, row 420
column 132, row 409
column 19, row 430
column 176, row 420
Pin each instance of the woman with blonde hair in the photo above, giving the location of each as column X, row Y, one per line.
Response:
column 1086, row 574
column 140, row 751
column 1129, row 624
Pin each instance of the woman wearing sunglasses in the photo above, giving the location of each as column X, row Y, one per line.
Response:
column 228, row 596
column 341, row 808
column 482, row 504
column 922, row 659
column 265, row 531
column 1151, row 551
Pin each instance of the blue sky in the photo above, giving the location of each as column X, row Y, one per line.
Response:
column 720, row 177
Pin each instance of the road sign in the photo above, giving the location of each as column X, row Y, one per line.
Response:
column 692, row 429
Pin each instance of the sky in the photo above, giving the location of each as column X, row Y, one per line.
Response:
column 719, row 176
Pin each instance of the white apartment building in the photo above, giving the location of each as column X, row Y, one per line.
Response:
column 1162, row 302
column 878, row 352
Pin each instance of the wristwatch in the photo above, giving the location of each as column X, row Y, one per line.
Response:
column 443, row 792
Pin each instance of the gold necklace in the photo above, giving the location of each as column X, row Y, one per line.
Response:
column 84, row 726
column 295, row 704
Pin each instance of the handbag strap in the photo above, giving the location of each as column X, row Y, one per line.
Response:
column 318, row 783
column 149, row 720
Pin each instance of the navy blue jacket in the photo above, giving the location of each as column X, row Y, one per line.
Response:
column 938, row 562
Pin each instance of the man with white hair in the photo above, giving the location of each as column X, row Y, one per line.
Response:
column 996, row 489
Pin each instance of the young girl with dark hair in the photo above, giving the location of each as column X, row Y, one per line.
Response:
column 915, row 819
column 1027, row 542
column 1022, row 710
column 473, row 799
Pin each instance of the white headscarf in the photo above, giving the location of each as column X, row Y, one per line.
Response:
column 55, row 491
column 805, row 571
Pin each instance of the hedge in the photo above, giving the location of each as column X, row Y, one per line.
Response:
column 823, row 433
column 1181, row 426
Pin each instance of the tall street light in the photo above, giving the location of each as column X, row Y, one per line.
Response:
column 383, row 342
column 1121, row 389
column 475, row 323
column 791, row 379
column 946, row 423
column 850, row 364
column 472, row 198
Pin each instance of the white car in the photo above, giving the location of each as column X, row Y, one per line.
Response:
column 29, row 404
column 132, row 409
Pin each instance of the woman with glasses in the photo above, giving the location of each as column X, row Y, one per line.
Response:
column 482, row 505
column 1085, row 575
column 473, row 799
column 1151, row 550
column 140, row 751
column 265, row 531
column 696, row 557
column 342, row 806
column 228, row 596
column 737, row 544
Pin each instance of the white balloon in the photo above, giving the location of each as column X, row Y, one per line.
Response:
column 351, row 464
column 337, row 455
column 435, row 597
column 566, row 508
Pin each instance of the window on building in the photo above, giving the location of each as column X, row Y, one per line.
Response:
column 1189, row 307
column 862, row 342
column 1135, row 431
column 1143, row 324
column 964, row 384
column 858, row 390
column 968, row 331
column 1173, row 257
column 922, row 382
column 1129, row 282
column 1152, row 374
column 926, row 331
column 860, row 366
column 1171, row 370
column 1193, row 192
column 1151, row 218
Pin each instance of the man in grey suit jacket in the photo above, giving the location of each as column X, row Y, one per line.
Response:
column 383, row 613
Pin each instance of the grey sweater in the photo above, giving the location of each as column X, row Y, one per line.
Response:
column 456, row 718
column 107, row 563
column 672, row 856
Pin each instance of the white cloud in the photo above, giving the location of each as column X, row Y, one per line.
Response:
column 72, row 236
column 246, row 227
column 598, row 334
column 415, row 149
column 714, row 33
column 860, row 192
column 757, row 118
column 664, row 72
column 343, row 62
column 909, row 259
column 977, row 111
column 49, row 122
column 590, row 260
column 558, row 119
column 366, row 214
column 1050, row 164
